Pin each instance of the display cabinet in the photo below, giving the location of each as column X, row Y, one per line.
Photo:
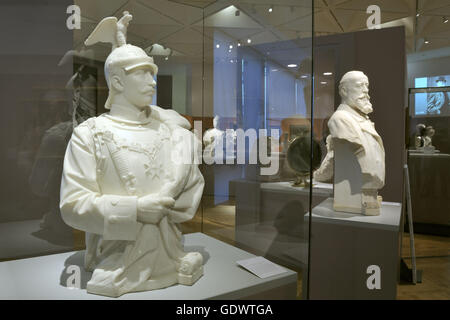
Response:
column 299, row 121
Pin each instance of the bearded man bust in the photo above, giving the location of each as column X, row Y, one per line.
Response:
column 358, row 149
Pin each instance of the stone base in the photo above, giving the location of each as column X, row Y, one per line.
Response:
column 189, row 280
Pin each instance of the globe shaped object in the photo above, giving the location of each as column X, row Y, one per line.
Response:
column 299, row 159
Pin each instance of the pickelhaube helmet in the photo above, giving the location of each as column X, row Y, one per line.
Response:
column 123, row 55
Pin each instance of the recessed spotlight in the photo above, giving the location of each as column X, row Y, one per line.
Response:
column 217, row 46
column 417, row 15
column 444, row 19
column 270, row 9
column 229, row 51
column 231, row 46
column 427, row 41
column 249, row 40
column 239, row 44
column 327, row 73
column 292, row 65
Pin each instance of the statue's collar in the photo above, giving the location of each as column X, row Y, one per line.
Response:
column 353, row 111
column 130, row 115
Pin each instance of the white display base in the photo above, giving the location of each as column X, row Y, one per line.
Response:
column 389, row 218
column 45, row 277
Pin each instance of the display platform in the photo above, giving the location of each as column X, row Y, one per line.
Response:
column 389, row 218
column 46, row 277
column 345, row 247
column 429, row 176
column 269, row 219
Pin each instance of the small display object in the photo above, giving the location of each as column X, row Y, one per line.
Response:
column 299, row 159
column 359, row 168
column 423, row 139
column 218, row 142
column 122, row 184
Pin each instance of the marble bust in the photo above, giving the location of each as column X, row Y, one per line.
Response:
column 429, row 133
column 213, row 138
column 120, row 184
column 358, row 149
column 217, row 140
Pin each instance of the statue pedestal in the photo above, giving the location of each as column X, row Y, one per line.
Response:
column 345, row 248
column 46, row 277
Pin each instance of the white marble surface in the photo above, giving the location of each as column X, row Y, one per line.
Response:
column 41, row 277
column 359, row 153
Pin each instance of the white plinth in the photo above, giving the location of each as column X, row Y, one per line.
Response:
column 389, row 218
column 45, row 277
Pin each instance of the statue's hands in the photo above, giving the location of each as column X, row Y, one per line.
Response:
column 152, row 208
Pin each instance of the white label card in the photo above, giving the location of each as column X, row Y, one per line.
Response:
column 261, row 267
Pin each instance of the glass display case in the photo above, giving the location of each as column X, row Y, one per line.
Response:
column 428, row 155
column 241, row 77
column 305, row 124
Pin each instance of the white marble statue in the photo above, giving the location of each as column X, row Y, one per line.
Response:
column 218, row 142
column 429, row 133
column 212, row 136
column 325, row 172
column 419, row 139
column 121, row 185
column 358, row 149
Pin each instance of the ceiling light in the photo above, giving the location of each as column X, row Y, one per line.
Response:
column 327, row 73
column 249, row 40
column 231, row 46
column 292, row 65
column 274, row 70
column 444, row 19
column 217, row 46
column 304, row 77
column 166, row 58
column 427, row 41
column 418, row 14
column 323, row 82
column 239, row 44
column 271, row 9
